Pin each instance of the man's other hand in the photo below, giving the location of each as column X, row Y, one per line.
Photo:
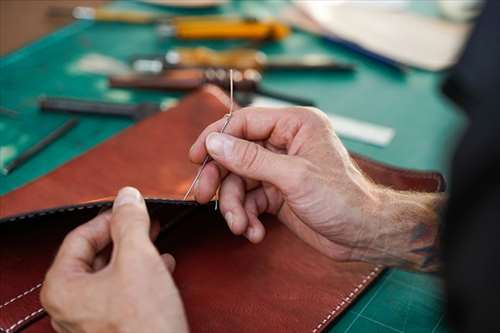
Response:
column 109, row 277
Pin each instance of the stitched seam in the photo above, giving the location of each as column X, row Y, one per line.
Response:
column 26, row 318
column 69, row 209
column 345, row 301
column 21, row 321
column 53, row 211
column 18, row 297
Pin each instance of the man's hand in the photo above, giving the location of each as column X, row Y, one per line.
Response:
column 289, row 162
column 92, row 287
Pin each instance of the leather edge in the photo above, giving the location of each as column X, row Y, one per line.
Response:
column 424, row 174
column 349, row 299
column 86, row 205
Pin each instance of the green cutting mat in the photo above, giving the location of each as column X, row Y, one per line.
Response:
column 426, row 127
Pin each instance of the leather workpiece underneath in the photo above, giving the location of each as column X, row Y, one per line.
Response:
column 227, row 284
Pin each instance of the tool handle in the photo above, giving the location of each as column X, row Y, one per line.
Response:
column 125, row 16
column 187, row 79
column 202, row 57
column 42, row 144
column 75, row 106
column 247, row 80
column 230, row 29
column 173, row 80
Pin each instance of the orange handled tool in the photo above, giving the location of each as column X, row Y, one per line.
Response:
column 224, row 28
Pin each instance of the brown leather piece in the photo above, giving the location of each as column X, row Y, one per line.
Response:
column 227, row 284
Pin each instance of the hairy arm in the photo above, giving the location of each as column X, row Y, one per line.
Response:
column 290, row 163
column 404, row 231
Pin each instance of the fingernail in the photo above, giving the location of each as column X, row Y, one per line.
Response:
column 219, row 144
column 250, row 233
column 229, row 219
column 128, row 195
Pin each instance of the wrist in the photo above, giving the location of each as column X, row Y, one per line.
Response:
column 401, row 230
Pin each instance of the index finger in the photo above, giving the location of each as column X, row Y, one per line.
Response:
column 81, row 246
column 254, row 123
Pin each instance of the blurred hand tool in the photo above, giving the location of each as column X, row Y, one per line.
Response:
column 186, row 4
column 32, row 151
column 190, row 79
column 187, row 79
column 184, row 27
column 240, row 59
column 216, row 27
column 78, row 107
column 107, row 15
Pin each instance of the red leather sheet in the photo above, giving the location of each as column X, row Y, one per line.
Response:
column 227, row 284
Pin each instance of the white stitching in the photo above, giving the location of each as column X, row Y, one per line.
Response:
column 21, row 295
column 21, row 321
column 18, row 297
column 347, row 299
column 84, row 206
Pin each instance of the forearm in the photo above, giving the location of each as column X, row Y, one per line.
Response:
column 403, row 231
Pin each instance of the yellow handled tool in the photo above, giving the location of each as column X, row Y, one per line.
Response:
column 206, row 58
column 241, row 59
column 184, row 27
column 224, row 28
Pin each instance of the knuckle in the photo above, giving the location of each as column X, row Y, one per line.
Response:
column 51, row 298
column 314, row 116
column 247, row 156
column 288, row 128
column 74, row 235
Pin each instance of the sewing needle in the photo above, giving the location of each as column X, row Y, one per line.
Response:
column 207, row 158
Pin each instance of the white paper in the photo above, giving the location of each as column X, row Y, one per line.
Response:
column 420, row 41
column 362, row 131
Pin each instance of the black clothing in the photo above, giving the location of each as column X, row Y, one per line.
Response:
column 471, row 236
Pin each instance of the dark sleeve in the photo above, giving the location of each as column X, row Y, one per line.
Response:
column 471, row 236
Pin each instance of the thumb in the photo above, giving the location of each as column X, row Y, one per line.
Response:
column 130, row 220
column 248, row 159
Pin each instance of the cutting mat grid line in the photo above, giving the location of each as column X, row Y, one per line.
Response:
column 378, row 288
column 404, row 310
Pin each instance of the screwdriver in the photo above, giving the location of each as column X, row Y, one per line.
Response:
column 241, row 59
column 214, row 27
